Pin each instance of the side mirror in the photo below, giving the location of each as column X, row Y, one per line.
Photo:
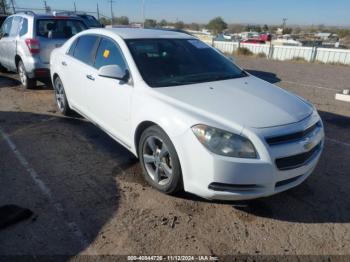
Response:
column 114, row 71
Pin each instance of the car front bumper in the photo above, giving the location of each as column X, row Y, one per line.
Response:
column 226, row 178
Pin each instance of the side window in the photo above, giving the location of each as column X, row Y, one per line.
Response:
column 16, row 22
column 72, row 47
column 108, row 53
column 85, row 48
column 5, row 29
column 24, row 27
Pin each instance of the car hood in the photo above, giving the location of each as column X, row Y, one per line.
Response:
column 246, row 101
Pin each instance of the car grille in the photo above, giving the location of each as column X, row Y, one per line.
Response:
column 232, row 187
column 287, row 181
column 296, row 161
column 291, row 137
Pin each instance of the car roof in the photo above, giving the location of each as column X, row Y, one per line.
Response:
column 137, row 33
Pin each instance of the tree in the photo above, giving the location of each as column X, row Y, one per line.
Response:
column 235, row 28
column 321, row 27
column 163, row 23
column 217, row 25
column 287, row 31
column 179, row 25
column 266, row 28
column 122, row 20
column 194, row 26
column 343, row 33
column 253, row 28
column 150, row 23
column 296, row 30
column 105, row 21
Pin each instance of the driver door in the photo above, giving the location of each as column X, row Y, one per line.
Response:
column 110, row 99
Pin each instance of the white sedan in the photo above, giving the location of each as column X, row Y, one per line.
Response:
column 195, row 120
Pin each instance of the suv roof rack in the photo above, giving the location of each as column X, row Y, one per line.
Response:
column 27, row 12
column 72, row 13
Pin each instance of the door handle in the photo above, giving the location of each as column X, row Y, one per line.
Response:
column 64, row 63
column 90, row 77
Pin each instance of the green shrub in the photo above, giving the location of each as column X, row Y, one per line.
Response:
column 261, row 55
column 338, row 64
column 244, row 51
column 298, row 59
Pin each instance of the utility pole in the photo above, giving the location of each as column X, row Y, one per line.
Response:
column 3, row 6
column 284, row 23
column 98, row 13
column 45, row 5
column 13, row 6
column 75, row 7
column 143, row 13
column 112, row 15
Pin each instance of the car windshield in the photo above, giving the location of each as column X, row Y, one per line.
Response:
column 59, row 28
column 170, row 62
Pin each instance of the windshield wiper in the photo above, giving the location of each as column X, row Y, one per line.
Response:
column 171, row 83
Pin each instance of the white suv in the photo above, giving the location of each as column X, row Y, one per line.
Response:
column 195, row 120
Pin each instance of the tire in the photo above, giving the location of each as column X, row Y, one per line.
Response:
column 159, row 161
column 61, row 98
column 27, row 83
column 3, row 69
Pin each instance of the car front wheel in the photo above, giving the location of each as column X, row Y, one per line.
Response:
column 159, row 160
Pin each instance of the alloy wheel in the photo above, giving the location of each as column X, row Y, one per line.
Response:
column 22, row 75
column 157, row 160
column 59, row 93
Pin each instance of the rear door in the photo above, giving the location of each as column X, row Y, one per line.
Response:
column 53, row 32
column 76, row 67
column 11, row 48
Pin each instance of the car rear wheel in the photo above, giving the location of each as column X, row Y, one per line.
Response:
column 27, row 83
column 61, row 98
column 159, row 160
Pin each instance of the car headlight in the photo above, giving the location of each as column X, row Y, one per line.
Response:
column 224, row 143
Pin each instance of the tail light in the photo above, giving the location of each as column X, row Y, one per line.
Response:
column 33, row 45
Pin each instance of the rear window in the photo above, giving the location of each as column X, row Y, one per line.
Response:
column 59, row 28
column 24, row 27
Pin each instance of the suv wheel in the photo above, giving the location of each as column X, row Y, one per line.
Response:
column 61, row 98
column 159, row 160
column 27, row 83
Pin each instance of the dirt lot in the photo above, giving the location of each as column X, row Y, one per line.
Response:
column 89, row 196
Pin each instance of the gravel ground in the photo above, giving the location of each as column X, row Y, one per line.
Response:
column 89, row 196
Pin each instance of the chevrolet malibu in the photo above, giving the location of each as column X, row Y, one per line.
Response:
column 196, row 121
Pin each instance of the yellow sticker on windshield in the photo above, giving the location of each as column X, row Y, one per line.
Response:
column 106, row 53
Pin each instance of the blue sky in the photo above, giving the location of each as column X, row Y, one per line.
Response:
column 329, row 12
